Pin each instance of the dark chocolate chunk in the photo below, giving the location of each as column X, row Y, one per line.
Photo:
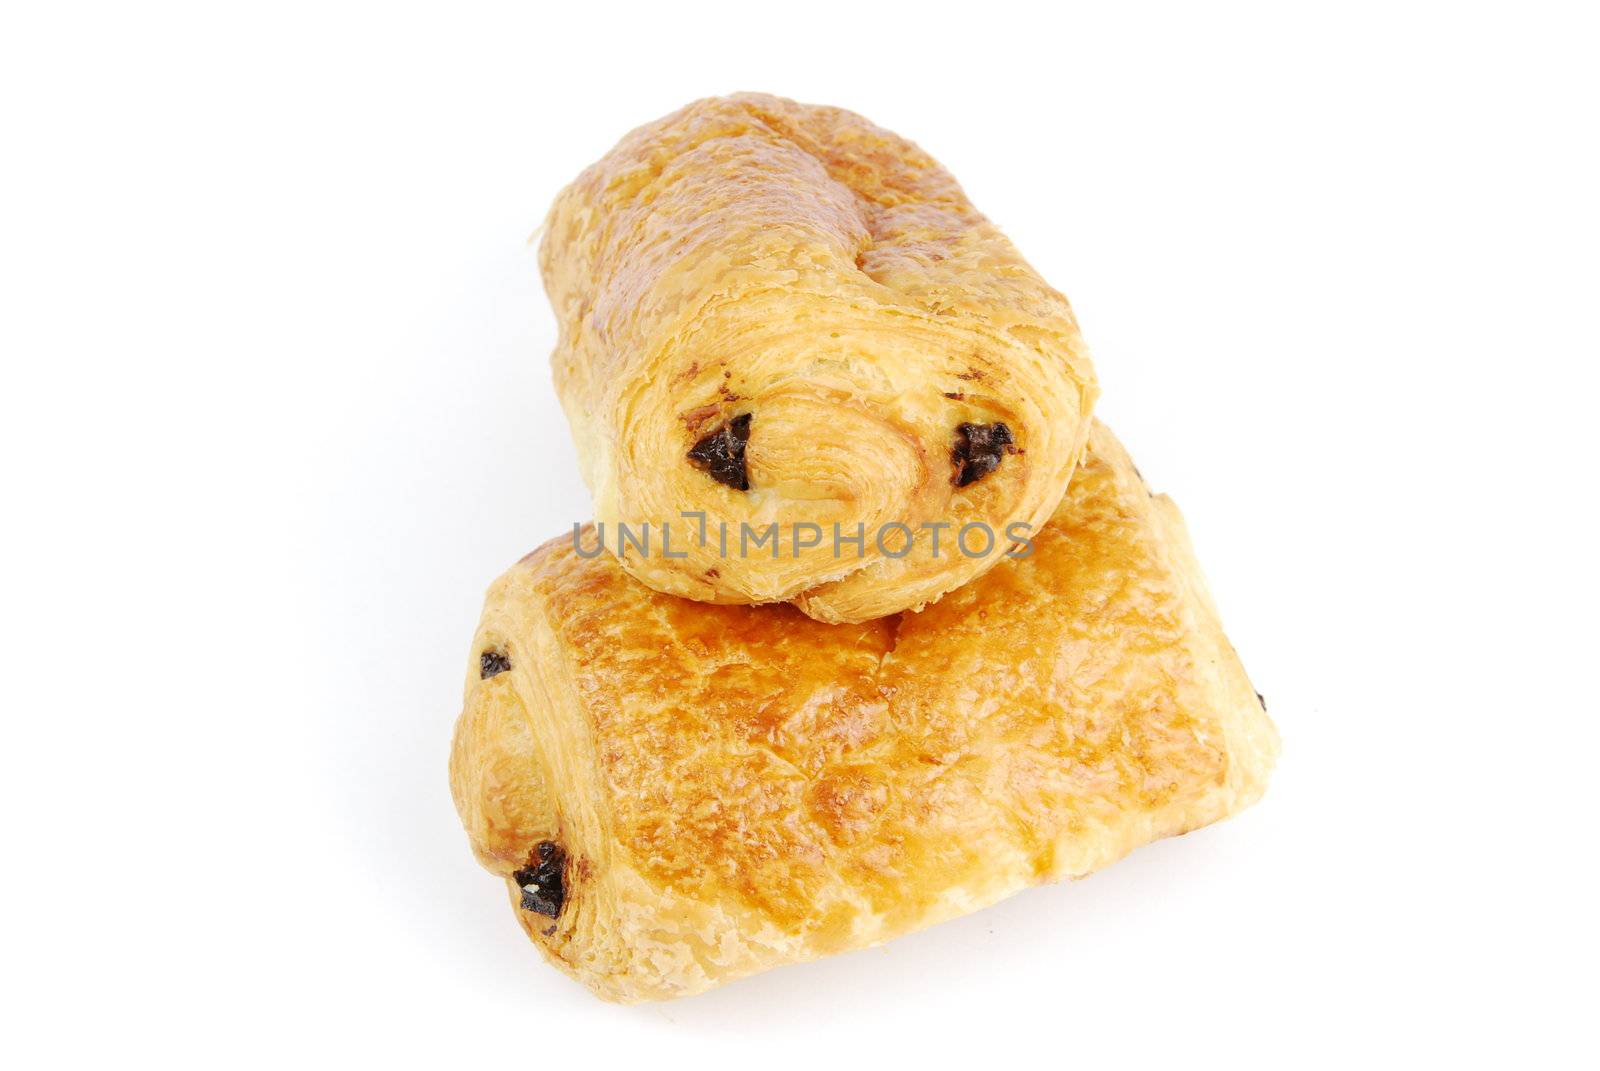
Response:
column 542, row 881
column 1262, row 700
column 492, row 664
column 721, row 453
column 978, row 450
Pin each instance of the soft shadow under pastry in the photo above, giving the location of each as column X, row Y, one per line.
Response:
column 678, row 794
column 774, row 314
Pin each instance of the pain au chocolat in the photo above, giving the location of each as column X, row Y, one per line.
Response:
column 774, row 314
column 678, row 794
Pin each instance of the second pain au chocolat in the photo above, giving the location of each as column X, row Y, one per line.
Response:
column 678, row 794
column 775, row 313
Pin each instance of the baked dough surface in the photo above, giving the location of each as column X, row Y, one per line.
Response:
column 739, row 787
column 827, row 282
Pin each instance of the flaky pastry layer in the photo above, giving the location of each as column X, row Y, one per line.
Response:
column 731, row 788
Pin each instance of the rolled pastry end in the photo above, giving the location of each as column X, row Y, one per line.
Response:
column 794, row 473
column 502, row 780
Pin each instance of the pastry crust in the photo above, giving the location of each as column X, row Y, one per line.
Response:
column 750, row 257
column 737, row 787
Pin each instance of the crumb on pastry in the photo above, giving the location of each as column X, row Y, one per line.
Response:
column 542, row 881
column 491, row 664
column 721, row 453
column 978, row 450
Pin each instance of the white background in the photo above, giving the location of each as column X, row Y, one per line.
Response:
column 276, row 408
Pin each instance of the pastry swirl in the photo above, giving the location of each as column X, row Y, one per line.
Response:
column 679, row 794
column 778, row 314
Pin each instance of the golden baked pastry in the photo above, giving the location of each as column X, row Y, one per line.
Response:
column 778, row 314
column 678, row 794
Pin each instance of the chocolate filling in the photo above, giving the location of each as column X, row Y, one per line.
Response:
column 978, row 450
column 721, row 454
column 492, row 664
column 542, row 880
